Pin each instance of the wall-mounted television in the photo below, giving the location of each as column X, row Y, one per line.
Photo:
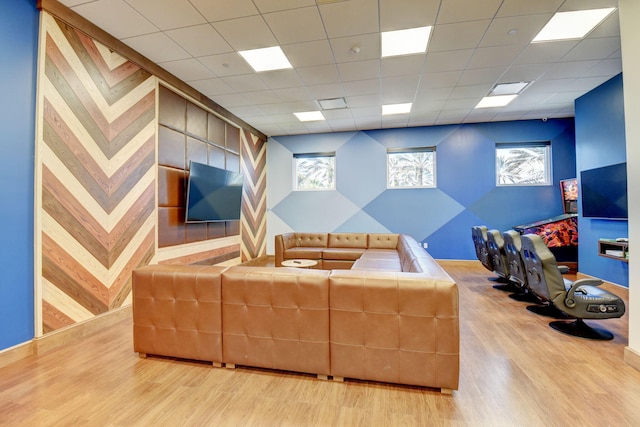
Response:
column 213, row 194
column 604, row 192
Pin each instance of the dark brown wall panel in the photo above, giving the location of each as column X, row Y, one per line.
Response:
column 196, row 121
column 171, row 148
column 171, row 187
column 233, row 139
column 216, row 133
column 173, row 110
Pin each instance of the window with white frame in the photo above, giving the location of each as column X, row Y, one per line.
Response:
column 314, row 171
column 525, row 163
column 411, row 167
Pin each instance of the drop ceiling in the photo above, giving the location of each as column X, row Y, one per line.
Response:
column 334, row 47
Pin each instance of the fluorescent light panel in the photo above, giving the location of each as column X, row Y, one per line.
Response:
column 396, row 109
column 309, row 116
column 572, row 25
column 495, row 101
column 266, row 59
column 405, row 42
column 509, row 88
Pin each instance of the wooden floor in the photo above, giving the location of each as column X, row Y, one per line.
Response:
column 515, row 371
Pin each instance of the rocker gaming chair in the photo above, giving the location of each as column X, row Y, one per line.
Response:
column 583, row 299
column 517, row 273
column 479, row 236
column 495, row 246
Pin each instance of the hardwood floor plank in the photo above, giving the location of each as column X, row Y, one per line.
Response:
column 515, row 371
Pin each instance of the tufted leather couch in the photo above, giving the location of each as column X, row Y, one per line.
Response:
column 392, row 317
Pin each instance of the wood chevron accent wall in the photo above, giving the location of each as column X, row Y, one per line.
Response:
column 254, row 198
column 96, row 203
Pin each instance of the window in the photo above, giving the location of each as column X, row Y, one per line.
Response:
column 411, row 167
column 523, row 163
column 315, row 171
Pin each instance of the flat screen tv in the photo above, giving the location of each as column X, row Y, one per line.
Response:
column 213, row 194
column 604, row 192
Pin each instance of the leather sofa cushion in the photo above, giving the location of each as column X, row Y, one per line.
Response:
column 348, row 240
column 315, row 240
column 382, row 241
column 386, row 254
column 377, row 264
column 303, row 253
column 350, row 254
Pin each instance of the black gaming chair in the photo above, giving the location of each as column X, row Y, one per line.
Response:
column 479, row 236
column 517, row 273
column 582, row 300
column 495, row 246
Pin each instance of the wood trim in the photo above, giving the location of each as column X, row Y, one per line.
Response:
column 77, row 331
column 70, row 17
column 632, row 358
column 15, row 353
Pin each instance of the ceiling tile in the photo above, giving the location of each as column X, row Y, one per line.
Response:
column 296, row 25
column 188, row 69
column 438, row 80
column 226, row 64
column 544, row 53
column 246, row 33
column 519, row 7
column 402, row 65
column 309, row 53
column 362, row 87
column 447, row 61
column 116, row 18
column 267, row 6
column 593, row 49
column 461, row 35
column 168, row 14
column 158, row 47
column 368, row 47
column 360, row 70
column 486, row 57
column 481, row 76
column 320, row 74
column 280, row 79
column 465, row 10
column 200, row 40
column 402, row 14
column 222, row 10
column 350, row 18
column 245, row 83
column 211, row 87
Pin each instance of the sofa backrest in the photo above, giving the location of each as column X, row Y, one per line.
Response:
column 382, row 241
column 348, row 240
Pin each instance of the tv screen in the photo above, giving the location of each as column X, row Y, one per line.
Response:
column 604, row 192
column 213, row 194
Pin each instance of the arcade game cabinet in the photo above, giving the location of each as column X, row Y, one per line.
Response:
column 560, row 233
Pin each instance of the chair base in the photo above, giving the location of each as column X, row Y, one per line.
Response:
column 525, row 297
column 578, row 328
column 504, row 284
column 548, row 310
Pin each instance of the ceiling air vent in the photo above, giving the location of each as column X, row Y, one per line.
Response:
column 333, row 103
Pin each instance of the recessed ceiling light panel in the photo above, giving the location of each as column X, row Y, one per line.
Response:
column 495, row 101
column 333, row 103
column 405, row 42
column 396, row 109
column 266, row 59
column 309, row 116
column 572, row 25
column 509, row 88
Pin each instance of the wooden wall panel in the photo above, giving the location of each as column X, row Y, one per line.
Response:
column 254, row 197
column 96, row 164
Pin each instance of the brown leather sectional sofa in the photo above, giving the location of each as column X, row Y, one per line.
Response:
column 392, row 317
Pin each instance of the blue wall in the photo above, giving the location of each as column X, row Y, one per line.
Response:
column 600, row 141
column 442, row 217
column 18, row 56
